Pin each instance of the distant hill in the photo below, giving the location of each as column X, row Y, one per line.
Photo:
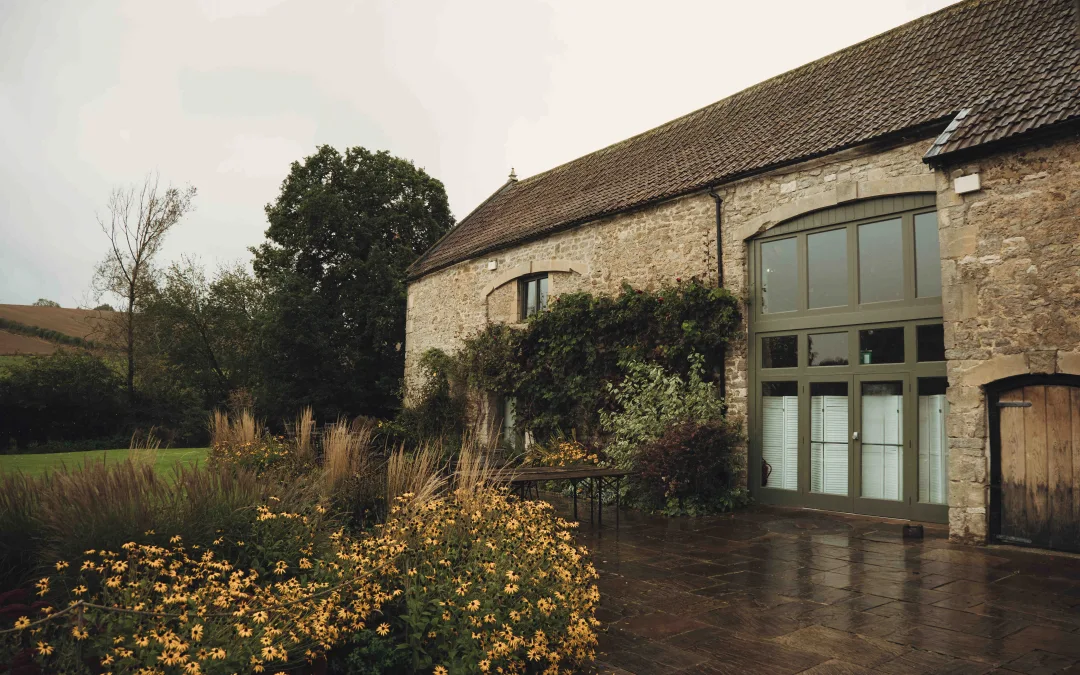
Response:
column 19, row 326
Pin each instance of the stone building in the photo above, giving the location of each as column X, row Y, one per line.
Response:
column 902, row 221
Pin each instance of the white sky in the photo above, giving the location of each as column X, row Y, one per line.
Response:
column 226, row 94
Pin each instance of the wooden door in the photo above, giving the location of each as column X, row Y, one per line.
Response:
column 1040, row 466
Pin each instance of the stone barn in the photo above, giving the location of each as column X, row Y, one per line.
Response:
column 902, row 222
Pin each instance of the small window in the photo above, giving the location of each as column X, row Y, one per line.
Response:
column 781, row 351
column 881, row 345
column 534, row 295
column 930, row 342
column 828, row 349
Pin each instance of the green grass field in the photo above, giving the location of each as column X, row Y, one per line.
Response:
column 39, row 464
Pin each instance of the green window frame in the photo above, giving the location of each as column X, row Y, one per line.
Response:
column 532, row 295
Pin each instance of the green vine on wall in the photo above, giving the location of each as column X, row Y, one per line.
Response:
column 559, row 365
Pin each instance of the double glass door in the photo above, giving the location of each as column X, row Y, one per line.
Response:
column 847, row 443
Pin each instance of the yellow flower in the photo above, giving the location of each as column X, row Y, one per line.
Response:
column 197, row 632
column 44, row 648
column 383, row 629
column 22, row 622
column 80, row 633
column 79, row 590
column 439, row 670
column 61, row 565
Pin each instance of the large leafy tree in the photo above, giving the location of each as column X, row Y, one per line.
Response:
column 342, row 232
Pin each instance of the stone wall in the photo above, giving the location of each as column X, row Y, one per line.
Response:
column 644, row 248
column 1011, row 294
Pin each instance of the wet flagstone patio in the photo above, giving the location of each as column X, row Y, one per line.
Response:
column 772, row 590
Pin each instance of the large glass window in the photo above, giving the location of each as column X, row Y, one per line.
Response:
column 882, row 439
column 829, row 437
column 933, row 444
column 779, row 276
column 927, row 256
column 781, row 351
column 534, row 296
column 826, row 255
column 780, row 435
column 881, row 261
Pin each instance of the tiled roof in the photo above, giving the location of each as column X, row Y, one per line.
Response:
column 1013, row 65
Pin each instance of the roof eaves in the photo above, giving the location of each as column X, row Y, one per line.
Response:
column 943, row 140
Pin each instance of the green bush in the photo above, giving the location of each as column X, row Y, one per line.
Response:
column 693, row 468
column 64, row 396
column 559, row 366
column 651, row 399
column 438, row 407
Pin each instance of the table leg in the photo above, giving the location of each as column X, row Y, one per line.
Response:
column 618, row 480
column 575, row 484
column 600, row 503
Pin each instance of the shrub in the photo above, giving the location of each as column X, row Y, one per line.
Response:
column 650, row 400
column 437, row 408
column 241, row 441
column 65, row 396
column 498, row 587
column 693, row 468
column 193, row 609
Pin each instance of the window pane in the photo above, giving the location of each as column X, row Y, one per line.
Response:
column 827, row 267
column 881, row 345
column 829, row 437
column 780, row 435
column 829, row 349
column 933, row 444
column 930, row 342
column 530, row 298
column 779, row 277
column 881, row 261
column 882, row 439
column 927, row 256
column 542, row 300
column 780, row 352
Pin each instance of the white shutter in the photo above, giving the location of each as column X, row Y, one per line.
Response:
column 829, row 448
column 791, row 442
column 933, row 457
column 780, row 440
column 882, row 427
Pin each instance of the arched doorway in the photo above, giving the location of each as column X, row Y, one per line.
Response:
column 1035, row 461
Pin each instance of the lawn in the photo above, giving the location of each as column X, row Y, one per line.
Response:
column 38, row 464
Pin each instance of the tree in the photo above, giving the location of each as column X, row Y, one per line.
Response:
column 342, row 232
column 201, row 332
column 139, row 218
column 106, row 307
column 45, row 302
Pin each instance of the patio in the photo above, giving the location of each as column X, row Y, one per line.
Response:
column 772, row 590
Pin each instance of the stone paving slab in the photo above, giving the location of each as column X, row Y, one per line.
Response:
column 786, row 591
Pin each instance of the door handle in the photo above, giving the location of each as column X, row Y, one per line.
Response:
column 855, row 436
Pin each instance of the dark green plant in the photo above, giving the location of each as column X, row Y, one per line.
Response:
column 559, row 366
column 47, row 334
column 66, row 395
column 438, row 406
column 693, row 468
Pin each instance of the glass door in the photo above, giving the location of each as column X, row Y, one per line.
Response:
column 828, row 444
column 880, row 443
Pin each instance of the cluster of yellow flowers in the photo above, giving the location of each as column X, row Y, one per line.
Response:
column 259, row 455
column 560, row 453
column 474, row 582
column 496, row 585
column 153, row 609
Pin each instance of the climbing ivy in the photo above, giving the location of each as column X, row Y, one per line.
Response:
column 560, row 364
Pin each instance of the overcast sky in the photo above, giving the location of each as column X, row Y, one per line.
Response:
column 225, row 94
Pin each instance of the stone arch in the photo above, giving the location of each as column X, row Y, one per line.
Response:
column 534, row 267
column 841, row 193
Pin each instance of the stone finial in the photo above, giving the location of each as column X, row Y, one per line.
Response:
column 513, row 175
